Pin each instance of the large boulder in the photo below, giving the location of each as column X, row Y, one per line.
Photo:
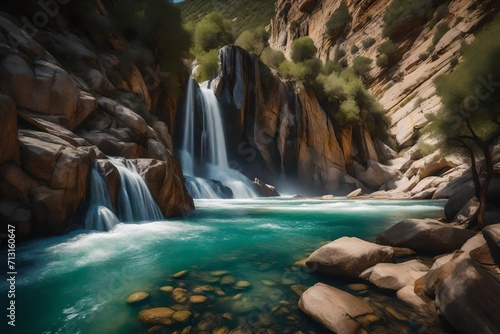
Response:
column 265, row 190
column 45, row 89
column 9, row 146
column 430, row 165
column 425, row 235
column 395, row 276
column 492, row 236
column 335, row 309
column 63, row 171
column 348, row 257
column 377, row 174
column 468, row 299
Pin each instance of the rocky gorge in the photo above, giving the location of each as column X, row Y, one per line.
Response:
column 71, row 103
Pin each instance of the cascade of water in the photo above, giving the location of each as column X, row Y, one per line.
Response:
column 100, row 214
column 211, row 150
column 135, row 202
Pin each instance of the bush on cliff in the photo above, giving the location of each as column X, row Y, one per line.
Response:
column 339, row 22
column 212, row 32
column 402, row 13
column 254, row 40
column 303, row 49
column 272, row 58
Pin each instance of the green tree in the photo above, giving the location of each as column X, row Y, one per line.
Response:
column 254, row 40
column 303, row 49
column 402, row 13
column 208, row 64
column 212, row 32
column 339, row 21
column 470, row 117
column 272, row 58
column 362, row 65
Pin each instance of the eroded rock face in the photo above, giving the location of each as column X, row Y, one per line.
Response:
column 348, row 257
column 406, row 88
column 468, row 298
column 425, row 235
column 277, row 128
column 9, row 147
column 335, row 309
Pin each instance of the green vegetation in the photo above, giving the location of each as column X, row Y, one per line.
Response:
column 272, row 58
column 439, row 14
column 247, row 14
column 254, row 40
column 354, row 49
column 470, row 117
column 305, row 71
column 303, row 49
column 339, row 22
column 208, row 65
column 402, row 13
column 367, row 43
column 362, row 65
column 382, row 60
column 212, row 32
column 424, row 55
column 388, row 48
column 355, row 104
column 441, row 29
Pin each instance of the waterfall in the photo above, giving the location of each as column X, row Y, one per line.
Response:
column 134, row 202
column 208, row 150
column 100, row 214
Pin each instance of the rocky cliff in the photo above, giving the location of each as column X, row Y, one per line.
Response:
column 280, row 129
column 64, row 104
column 404, row 85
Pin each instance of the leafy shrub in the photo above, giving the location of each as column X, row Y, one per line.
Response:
column 454, row 61
column 401, row 13
column 354, row 49
column 331, row 66
column 294, row 25
column 388, row 47
column 254, row 40
column 439, row 14
column 272, row 58
column 303, row 49
column 441, row 30
column 339, row 54
column 339, row 21
column 424, row 55
column 305, row 71
column 382, row 60
column 212, row 32
column 362, row 64
column 367, row 43
column 208, row 65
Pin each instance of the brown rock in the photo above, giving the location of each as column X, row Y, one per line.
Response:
column 9, row 147
column 181, row 316
column 156, row 316
column 137, row 297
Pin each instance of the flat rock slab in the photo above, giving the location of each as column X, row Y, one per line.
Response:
column 335, row 309
column 348, row 257
column 425, row 235
column 395, row 276
column 468, row 298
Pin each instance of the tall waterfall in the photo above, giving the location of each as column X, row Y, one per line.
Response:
column 134, row 202
column 204, row 157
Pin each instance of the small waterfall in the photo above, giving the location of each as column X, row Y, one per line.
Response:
column 209, row 151
column 134, row 202
column 100, row 214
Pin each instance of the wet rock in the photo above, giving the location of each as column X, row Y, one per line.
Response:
column 242, row 285
column 265, row 190
column 227, row 280
column 395, row 276
column 425, row 235
column 348, row 257
column 137, row 297
column 167, row 288
column 268, row 282
column 356, row 193
column 179, row 295
column 180, row 274
column 400, row 252
column 198, row 299
column 9, row 147
column 156, row 316
column 181, row 316
column 203, row 288
column 327, row 198
column 333, row 308
column 219, row 273
column 472, row 307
